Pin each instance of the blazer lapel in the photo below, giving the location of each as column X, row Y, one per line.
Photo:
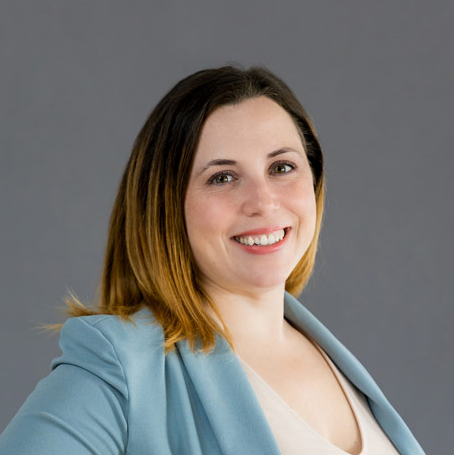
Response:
column 229, row 400
column 387, row 417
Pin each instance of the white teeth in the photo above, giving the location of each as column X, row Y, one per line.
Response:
column 263, row 240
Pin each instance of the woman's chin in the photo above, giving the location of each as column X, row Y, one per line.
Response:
column 264, row 282
column 247, row 280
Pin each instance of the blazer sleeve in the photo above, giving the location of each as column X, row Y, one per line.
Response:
column 80, row 408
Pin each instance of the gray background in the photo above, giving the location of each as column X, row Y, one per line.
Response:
column 79, row 78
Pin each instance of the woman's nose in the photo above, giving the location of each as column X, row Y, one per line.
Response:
column 260, row 198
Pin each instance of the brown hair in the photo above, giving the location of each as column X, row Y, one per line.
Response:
column 148, row 260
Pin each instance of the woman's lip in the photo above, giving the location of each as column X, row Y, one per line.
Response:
column 267, row 230
column 264, row 249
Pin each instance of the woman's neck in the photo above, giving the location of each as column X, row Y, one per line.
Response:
column 252, row 318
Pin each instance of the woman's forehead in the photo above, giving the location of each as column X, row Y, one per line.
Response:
column 254, row 123
column 260, row 109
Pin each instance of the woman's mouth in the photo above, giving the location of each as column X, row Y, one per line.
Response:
column 263, row 239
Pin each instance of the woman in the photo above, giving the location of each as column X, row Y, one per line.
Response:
column 199, row 345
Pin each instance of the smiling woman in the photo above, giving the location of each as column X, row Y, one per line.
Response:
column 258, row 182
column 198, row 344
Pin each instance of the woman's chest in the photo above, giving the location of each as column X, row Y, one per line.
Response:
column 306, row 384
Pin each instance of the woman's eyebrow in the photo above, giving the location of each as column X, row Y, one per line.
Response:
column 225, row 162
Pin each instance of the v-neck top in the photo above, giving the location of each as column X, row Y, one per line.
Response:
column 295, row 437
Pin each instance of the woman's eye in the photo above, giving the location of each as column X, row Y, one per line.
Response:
column 283, row 168
column 220, row 179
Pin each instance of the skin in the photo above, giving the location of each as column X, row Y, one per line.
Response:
column 260, row 192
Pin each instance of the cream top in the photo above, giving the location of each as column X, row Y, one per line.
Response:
column 295, row 437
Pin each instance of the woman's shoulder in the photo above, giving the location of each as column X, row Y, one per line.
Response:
column 142, row 326
column 110, row 345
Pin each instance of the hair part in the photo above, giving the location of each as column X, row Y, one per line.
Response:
column 148, row 260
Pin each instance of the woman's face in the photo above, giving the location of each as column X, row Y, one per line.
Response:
column 250, row 178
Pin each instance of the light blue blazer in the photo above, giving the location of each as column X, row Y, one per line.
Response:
column 114, row 392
